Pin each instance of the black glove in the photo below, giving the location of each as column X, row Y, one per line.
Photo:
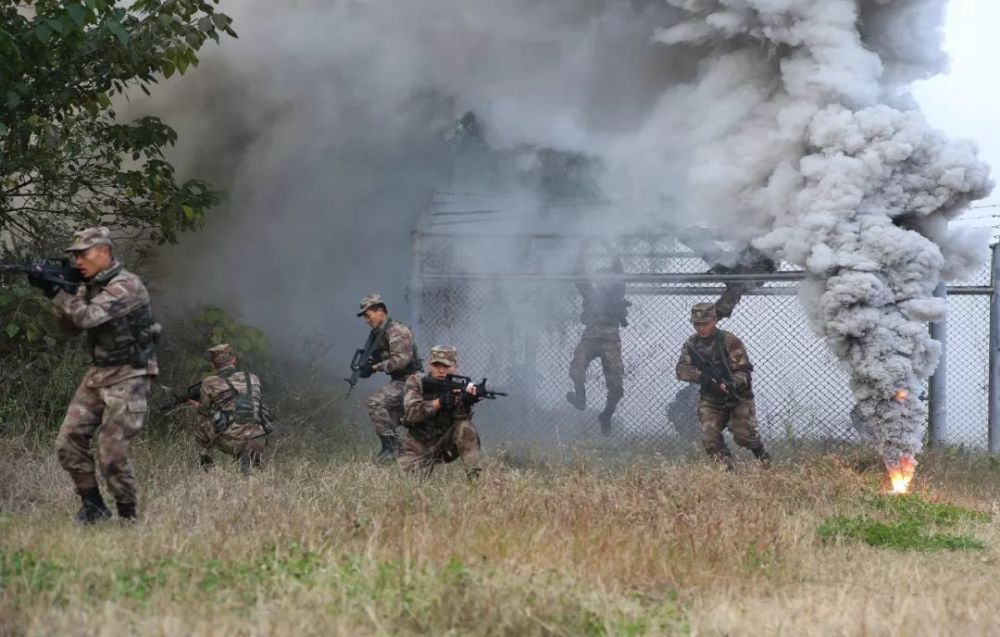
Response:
column 366, row 370
column 48, row 288
column 449, row 401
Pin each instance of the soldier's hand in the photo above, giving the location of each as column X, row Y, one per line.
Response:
column 194, row 403
column 437, row 404
column 724, row 388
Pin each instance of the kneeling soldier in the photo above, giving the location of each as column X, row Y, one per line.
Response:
column 439, row 429
column 719, row 362
column 236, row 420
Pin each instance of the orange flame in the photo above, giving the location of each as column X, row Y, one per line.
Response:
column 901, row 473
column 901, row 395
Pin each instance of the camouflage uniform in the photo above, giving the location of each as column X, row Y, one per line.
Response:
column 114, row 308
column 432, row 436
column 604, row 313
column 236, row 420
column 717, row 410
column 396, row 355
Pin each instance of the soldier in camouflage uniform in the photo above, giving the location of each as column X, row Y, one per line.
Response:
column 396, row 355
column 113, row 307
column 721, row 405
column 604, row 313
column 438, row 429
column 236, row 420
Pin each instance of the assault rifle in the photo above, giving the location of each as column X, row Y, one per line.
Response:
column 452, row 384
column 193, row 393
column 364, row 359
column 49, row 275
column 713, row 376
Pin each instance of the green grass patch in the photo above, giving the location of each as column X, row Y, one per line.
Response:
column 905, row 523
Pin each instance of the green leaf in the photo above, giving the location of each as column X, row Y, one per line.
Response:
column 13, row 329
column 167, row 68
column 118, row 31
column 220, row 20
column 13, row 99
column 76, row 13
column 43, row 33
column 3, row 129
column 188, row 212
column 55, row 24
column 104, row 100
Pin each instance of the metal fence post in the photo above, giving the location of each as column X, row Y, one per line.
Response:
column 994, row 385
column 416, row 292
column 937, row 386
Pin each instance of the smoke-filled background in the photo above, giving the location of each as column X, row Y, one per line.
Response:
column 785, row 124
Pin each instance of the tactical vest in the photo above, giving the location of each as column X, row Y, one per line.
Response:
column 132, row 339
column 382, row 347
column 248, row 402
column 605, row 305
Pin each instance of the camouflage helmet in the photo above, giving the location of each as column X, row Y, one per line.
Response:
column 370, row 301
column 444, row 354
column 220, row 355
column 90, row 237
column 703, row 312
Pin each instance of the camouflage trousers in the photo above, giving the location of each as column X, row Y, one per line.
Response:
column 385, row 408
column 741, row 418
column 607, row 347
column 115, row 413
column 234, row 441
column 417, row 456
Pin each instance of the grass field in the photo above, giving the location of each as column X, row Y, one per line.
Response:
column 327, row 544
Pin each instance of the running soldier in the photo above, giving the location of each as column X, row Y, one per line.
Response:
column 113, row 307
column 604, row 313
column 438, row 429
column 236, row 419
column 396, row 355
column 718, row 361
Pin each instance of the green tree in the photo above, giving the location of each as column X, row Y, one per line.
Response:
column 65, row 158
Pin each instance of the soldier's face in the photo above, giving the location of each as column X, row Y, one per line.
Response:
column 374, row 317
column 93, row 260
column 440, row 370
column 706, row 329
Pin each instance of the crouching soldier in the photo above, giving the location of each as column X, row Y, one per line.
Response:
column 235, row 419
column 438, row 428
column 112, row 306
column 718, row 361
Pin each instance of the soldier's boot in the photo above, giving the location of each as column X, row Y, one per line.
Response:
column 724, row 458
column 126, row 511
column 761, row 454
column 244, row 458
column 473, row 474
column 206, row 461
column 93, row 510
column 578, row 397
column 389, row 450
column 614, row 398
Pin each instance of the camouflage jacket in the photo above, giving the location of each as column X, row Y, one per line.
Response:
column 397, row 351
column 604, row 304
column 723, row 349
column 98, row 303
column 217, row 395
column 421, row 419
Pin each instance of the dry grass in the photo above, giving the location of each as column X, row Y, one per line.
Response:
column 331, row 545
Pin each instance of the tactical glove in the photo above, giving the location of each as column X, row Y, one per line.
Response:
column 366, row 370
column 449, row 400
column 48, row 288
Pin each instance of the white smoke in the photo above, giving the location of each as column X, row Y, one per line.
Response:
column 787, row 123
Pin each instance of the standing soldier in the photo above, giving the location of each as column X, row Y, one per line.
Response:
column 395, row 354
column 113, row 307
column 438, row 429
column 718, row 361
column 236, row 420
column 604, row 313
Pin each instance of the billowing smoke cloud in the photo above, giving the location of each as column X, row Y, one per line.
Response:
column 785, row 123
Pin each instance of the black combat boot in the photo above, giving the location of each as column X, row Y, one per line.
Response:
column 93, row 510
column 578, row 397
column 389, row 450
column 762, row 455
column 605, row 418
column 126, row 511
column 245, row 463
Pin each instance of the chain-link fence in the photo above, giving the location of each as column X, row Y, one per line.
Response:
column 519, row 327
